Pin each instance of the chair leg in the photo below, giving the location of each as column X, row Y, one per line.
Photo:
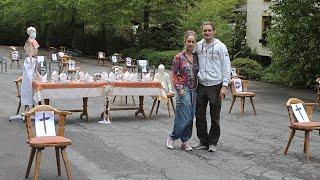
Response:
column 174, row 110
column 32, row 153
column 154, row 103
column 305, row 142
column 158, row 106
column 233, row 100
column 307, row 138
column 58, row 160
column 66, row 163
column 134, row 103
column 289, row 141
column 254, row 109
column 242, row 108
column 11, row 64
column 126, row 99
column 37, row 166
column 19, row 106
column 168, row 106
column 114, row 98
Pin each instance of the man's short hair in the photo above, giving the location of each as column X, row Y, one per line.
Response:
column 208, row 23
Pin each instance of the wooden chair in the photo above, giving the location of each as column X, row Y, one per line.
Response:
column 37, row 144
column 62, row 49
column 318, row 93
column 169, row 100
column 131, row 65
column 63, row 63
column 307, row 127
column 18, row 82
column 242, row 95
column 102, row 58
column 15, row 58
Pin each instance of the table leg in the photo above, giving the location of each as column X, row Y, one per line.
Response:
column 141, row 110
column 85, row 108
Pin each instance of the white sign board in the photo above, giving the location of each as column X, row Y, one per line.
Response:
column 14, row 55
column 299, row 112
column 143, row 64
column 237, row 85
column 100, row 55
column 40, row 60
column 114, row 59
column 72, row 65
column 233, row 72
column 44, row 123
column 54, row 57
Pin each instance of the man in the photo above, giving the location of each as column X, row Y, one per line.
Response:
column 213, row 79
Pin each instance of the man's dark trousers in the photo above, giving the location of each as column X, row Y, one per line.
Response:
column 209, row 94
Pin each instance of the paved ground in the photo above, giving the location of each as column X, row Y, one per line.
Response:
column 250, row 147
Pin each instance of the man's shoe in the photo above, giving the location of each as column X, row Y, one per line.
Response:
column 185, row 146
column 212, row 148
column 170, row 143
column 200, row 146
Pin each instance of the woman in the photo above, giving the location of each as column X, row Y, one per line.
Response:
column 184, row 71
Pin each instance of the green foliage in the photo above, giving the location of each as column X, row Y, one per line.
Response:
column 294, row 41
column 158, row 57
column 220, row 12
column 94, row 25
column 249, row 68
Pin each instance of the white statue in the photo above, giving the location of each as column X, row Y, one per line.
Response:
column 164, row 78
column 29, row 67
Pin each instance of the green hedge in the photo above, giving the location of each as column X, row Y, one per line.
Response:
column 154, row 57
column 158, row 57
column 249, row 68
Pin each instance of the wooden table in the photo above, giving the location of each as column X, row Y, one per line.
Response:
column 47, row 91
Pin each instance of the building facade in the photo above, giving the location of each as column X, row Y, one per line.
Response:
column 258, row 23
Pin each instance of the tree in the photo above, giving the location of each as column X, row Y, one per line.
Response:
column 294, row 42
column 220, row 12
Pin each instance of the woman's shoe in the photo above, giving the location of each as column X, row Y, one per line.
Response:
column 170, row 143
column 185, row 146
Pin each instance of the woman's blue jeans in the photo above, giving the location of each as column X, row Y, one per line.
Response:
column 183, row 120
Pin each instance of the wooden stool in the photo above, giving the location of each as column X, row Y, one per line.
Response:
column 170, row 99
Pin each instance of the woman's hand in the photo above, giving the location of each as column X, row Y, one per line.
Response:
column 181, row 92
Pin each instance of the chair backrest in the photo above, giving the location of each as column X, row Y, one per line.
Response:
column 292, row 117
column 18, row 82
column 61, row 122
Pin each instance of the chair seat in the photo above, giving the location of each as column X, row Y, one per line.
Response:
column 244, row 94
column 45, row 141
column 312, row 124
column 170, row 95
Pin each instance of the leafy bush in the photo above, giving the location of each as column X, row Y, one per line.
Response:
column 158, row 57
column 249, row 68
